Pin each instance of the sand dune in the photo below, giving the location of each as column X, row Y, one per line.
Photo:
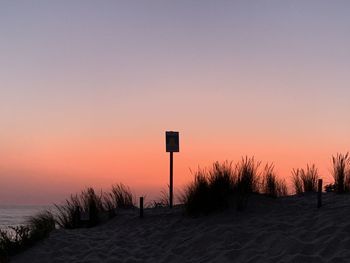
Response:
column 290, row 229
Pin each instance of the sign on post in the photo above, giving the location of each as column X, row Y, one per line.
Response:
column 172, row 145
column 172, row 141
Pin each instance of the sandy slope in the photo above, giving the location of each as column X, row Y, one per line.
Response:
column 288, row 230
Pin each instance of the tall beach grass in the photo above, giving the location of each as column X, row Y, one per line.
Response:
column 90, row 208
column 87, row 203
column 247, row 180
column 305, row 180
column 196, row 197
column 272, row 186
column 225, row 185
column 341, row 172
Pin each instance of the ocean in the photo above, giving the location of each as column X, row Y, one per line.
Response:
column 15, row 215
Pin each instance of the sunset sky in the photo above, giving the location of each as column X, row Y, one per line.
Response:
column 88, row 89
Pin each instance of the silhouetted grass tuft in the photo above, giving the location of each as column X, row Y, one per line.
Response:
column 305, row 180
column 221, row 183
column 247, row 180
column 68, row 213
column 341, row 172
column 92, row 204
column 22, row 237
column 87, row 203
column 309, row 178
column 89, row 208
column 297, row 182
column 122, row 197
column 271, row 185
column 41, row 225
column 163, row 200
column 221, row 186
column 196, row 197
column 108, row 204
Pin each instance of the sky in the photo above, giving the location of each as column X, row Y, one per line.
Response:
column 88, row 89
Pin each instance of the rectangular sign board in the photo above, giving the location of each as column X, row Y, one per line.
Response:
column 172, row 141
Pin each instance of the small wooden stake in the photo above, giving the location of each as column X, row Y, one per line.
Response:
column 77, row 216
column 319, row 193
column 141, row 207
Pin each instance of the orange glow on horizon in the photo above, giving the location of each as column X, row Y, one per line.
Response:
column 144, row 166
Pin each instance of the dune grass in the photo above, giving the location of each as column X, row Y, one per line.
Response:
column 87, row 202
column 309, row 178
column 21, row 237
column 196, row 197
column 41, row 225
column 122, row 197
column 221, row 181
column 223, row 186
column 93, row 206
column 67, row 215
column 305, row 180
column 247, row 180
column 341, row 172
column 271, row 185
column 297, row 182
column 162, row 201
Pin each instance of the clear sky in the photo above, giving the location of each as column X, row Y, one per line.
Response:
column 88, row 88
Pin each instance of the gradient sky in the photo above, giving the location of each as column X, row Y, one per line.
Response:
column 88, row 88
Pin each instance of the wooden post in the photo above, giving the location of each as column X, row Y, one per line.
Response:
column 76, row 219
column 319, row 193
column 172, row 145
column 171, row 181
column 141, row 207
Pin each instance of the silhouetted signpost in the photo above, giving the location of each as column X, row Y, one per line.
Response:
column 172, row 145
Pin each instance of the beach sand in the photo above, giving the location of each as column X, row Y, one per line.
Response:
column 290, row 229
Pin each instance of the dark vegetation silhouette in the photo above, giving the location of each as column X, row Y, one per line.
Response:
column 92, row 207
column 87, row 203
column 247, row 181
column 95, row 207
column 21, row 237
column 341, row 173
column 196, row 197
column 224, row 186
column 305, row 180
column 272, row 186
column 120, row 197
column 162, row 201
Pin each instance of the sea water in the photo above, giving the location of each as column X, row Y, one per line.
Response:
column 15, row 215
